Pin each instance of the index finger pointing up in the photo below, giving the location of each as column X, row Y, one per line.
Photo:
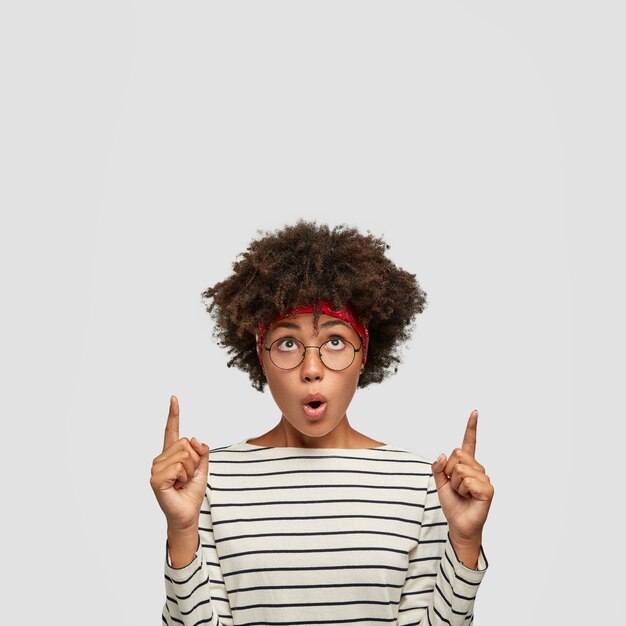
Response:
column 469, row 439
column 171, row 429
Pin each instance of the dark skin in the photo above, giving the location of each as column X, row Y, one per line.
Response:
column 277, row 438
column 288, row 387
column 465, row 493
column 464, row 489
column 179, row 478
column 180, row 472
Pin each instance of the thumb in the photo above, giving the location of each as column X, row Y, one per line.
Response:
column 203, row 452
column 438, row 474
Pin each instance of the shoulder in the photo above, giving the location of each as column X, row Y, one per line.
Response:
column 399, row 453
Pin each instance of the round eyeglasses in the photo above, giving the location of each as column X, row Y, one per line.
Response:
column 335, row 353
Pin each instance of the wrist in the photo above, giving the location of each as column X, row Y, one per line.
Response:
column 466, row 549
column 182, row 545
column 468, row 541
column 190, row 530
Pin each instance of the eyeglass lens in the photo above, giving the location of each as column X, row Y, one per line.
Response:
column 336, row 353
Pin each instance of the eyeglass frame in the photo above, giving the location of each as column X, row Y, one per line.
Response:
column 319, row 351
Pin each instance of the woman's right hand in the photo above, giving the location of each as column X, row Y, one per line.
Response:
column 180, row 474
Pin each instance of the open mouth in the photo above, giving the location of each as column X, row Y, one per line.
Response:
column 314, row 409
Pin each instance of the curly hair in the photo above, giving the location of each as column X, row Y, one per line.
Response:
column 301, row 264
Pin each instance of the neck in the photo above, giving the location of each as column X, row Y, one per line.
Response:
column 342, row 436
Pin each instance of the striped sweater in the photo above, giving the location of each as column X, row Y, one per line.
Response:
column 292, row 536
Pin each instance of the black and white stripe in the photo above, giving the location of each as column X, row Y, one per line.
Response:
column 293, row 536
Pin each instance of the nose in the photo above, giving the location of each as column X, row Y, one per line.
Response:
column 312, row 367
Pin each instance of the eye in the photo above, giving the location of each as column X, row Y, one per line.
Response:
column 287, row 344
column 336, row 343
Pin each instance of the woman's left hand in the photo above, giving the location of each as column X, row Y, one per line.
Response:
column 464, row 489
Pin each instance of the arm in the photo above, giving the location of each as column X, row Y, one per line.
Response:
column 195, row 593
column 439, row 590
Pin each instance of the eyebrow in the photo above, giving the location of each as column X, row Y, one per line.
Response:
column 323, row 325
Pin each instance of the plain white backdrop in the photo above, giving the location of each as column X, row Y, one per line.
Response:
column 143, row 145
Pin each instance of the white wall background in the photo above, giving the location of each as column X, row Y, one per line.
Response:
column 142, row 146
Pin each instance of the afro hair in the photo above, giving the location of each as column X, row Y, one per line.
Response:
column 301, row 264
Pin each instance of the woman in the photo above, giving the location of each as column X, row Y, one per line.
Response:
column 313, row 521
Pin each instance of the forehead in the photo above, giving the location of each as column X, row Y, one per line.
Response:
column 304, row 322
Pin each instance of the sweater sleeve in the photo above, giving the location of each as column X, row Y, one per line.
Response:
column 439, row 590
column 195, row 593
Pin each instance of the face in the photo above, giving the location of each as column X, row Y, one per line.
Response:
column 289, row 388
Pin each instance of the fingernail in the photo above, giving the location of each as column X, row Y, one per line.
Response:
column 195, row 473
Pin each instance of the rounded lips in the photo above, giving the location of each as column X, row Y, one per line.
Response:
column 312, row 397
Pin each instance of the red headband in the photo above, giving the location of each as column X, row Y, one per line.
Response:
column 324, row 307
